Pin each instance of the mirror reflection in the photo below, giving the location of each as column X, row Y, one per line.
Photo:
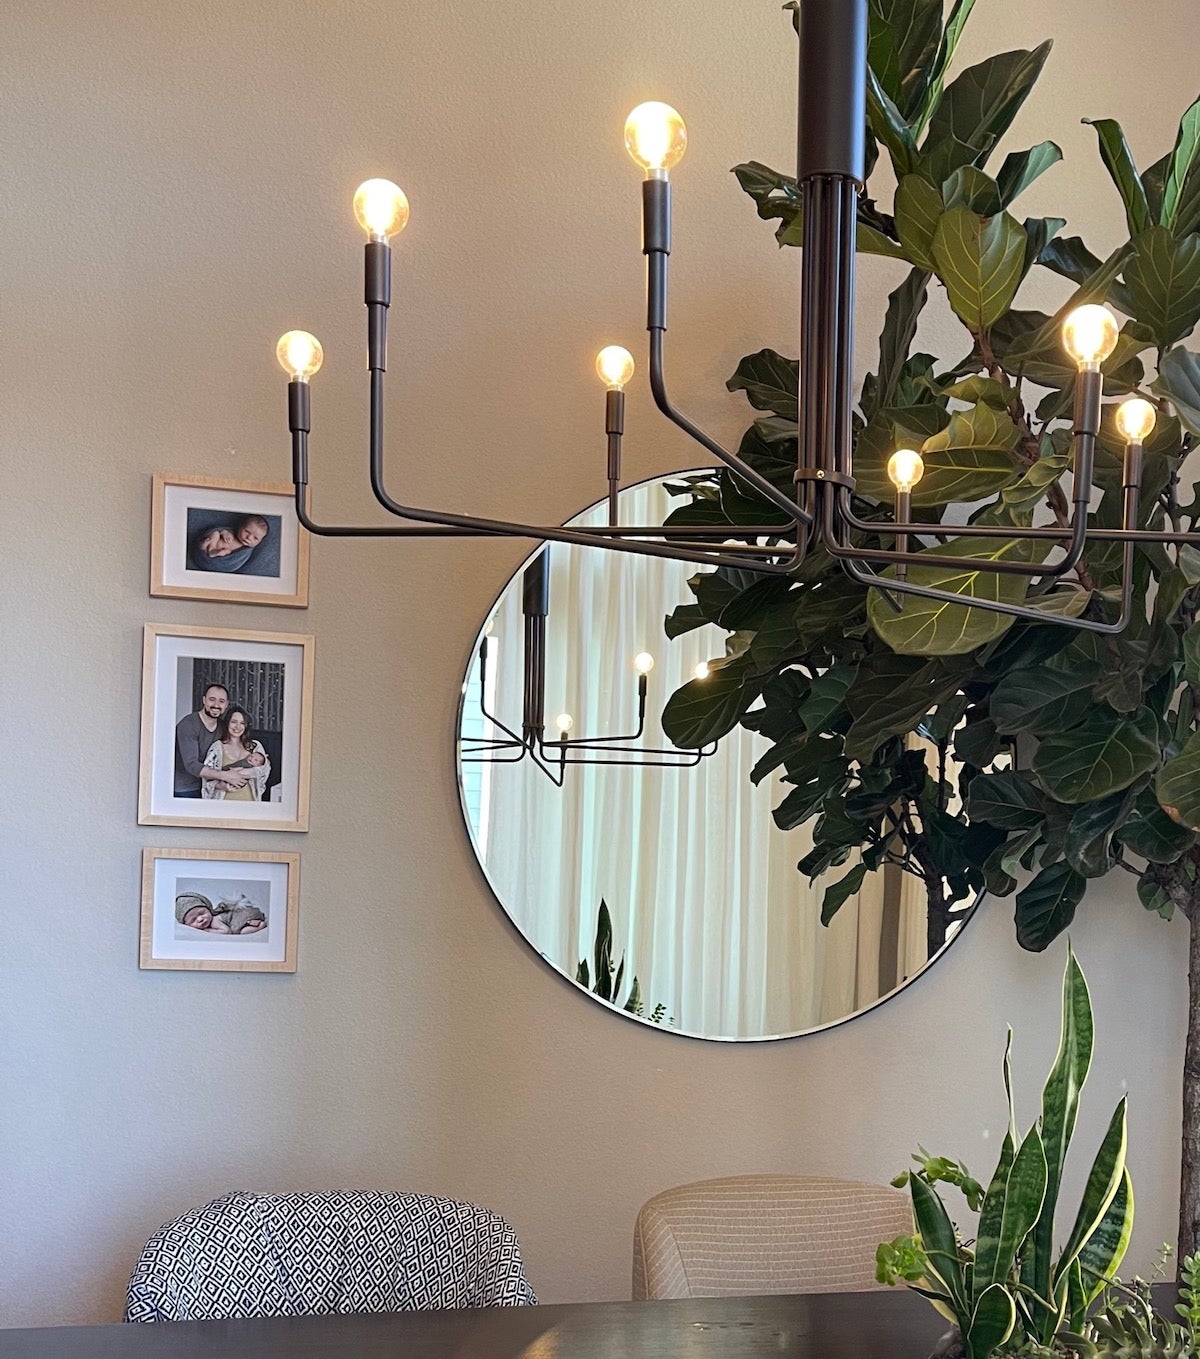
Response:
column 656, row 879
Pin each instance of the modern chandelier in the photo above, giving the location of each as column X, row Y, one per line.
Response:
column 820, row 512
column 553, row 757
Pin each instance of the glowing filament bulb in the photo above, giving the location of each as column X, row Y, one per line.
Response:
column 615, row 366
column 300, row 354
column 564, row 722
column 643, row 662
column 701, row 671
column 905, row 468
column 1090, row 334
column 381, row 208
column 655, row 136
column 1135, row 420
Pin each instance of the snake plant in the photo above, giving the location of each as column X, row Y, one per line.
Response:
column 1012, row 1290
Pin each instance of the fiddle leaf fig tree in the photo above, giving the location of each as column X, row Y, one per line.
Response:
column 961, row 746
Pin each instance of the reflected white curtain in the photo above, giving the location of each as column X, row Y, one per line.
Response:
column 707, row 905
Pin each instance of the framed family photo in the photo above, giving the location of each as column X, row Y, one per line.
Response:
column 226, row 728
column 219, row 910
column 236, row 542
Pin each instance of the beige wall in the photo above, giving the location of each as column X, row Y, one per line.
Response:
column 175, row 194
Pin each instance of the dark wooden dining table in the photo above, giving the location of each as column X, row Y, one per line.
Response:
column 884, row 1325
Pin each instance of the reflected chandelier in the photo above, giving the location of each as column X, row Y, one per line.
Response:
column 831, row 174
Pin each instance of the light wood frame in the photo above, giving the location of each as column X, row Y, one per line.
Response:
column 227, row 593
column 146, row 958
column 146, row 791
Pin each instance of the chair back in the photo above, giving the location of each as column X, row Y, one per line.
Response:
column 756, row 1234
column 268, row 1255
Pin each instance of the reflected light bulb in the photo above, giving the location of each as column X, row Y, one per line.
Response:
column 564, row 722
column 300, row 354
column 1089, row 334
column 1135, row 420
column 701, row 671
column 615, row 366
column 643, row 662
column 905, row 468
column 655, row 136
column 381, row 208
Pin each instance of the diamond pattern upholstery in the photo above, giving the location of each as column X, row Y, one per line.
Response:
column 267, row 1255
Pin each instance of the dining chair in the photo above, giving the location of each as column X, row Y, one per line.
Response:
column 268, row 1255
column 755, row 1234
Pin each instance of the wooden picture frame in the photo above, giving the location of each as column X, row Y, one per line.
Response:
column 207, row 910
column 236, row 542
column 186, row 776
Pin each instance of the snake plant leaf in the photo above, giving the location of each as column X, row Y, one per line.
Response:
column 935, row 627
column 941, row 1245
column 903, row 40
column 977, row 109
column 1179, row 381
column 919, row 208
column 1046, row 906
column 981, row 262
column 1118, row 161
column 1105, row 752
column 1007, row 798
column 1021, row 168
column 1102, row 1253
column 1163, row 279
column 1183, row 158
column 1150, row 833
column 1177, row 786
column 603, row 952
column 705, row 710
column 992, row 1322
column 1107, row 1173
column 770, row 381
column 1003, row 1226
column 1060, row 1106
column 839, row 892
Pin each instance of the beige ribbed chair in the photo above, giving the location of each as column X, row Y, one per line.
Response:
column 752, row 1234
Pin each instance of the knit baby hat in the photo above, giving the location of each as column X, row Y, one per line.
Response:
column 187, row 901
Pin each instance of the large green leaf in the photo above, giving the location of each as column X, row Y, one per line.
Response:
column 937, row 1236
column 981, row 262
column 1163, row 278
column 770, row 381
column 971, row 188
column 1088, row 843
column 1022, row 1199
column 1177, row 786
column 1183, row 158
column 704, row 710
column 1102, row 1253
column 960, row 12
column 895, row 340
column 1046, row 906
column 904, row 36
column 971, row 459
column 1021, row 168
column 1040, row 698
column 919, row 208
column 978, row 108
column 1150, row 833
column 890, row 127
column 1103, row 1182
column 1105, row 752
column 1006, row 798
column 992, row 1322
column 838, row 893
column 1046, row 338
column 1179, row 381
column 934, row 627
column 1118, row 161
column 889, row 697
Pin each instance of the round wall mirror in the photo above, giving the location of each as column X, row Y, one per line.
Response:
column 654, row 880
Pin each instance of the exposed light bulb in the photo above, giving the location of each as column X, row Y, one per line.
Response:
column 381, row 208
column 1090, row 334
column 615, row 366
column 655, row 136
column 1135, row 420
column 300, row 354
column 701, row 671
column 643, row 662
column 564, row 722
column 905, row 468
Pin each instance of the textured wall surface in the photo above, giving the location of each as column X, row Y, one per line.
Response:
column 175, row 194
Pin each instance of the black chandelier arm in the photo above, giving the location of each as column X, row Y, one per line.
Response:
column 686, row 760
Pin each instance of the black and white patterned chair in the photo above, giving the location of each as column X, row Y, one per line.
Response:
column 267, row 1255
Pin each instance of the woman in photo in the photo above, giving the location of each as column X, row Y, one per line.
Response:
column 240, row 758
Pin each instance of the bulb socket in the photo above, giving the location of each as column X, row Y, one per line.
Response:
column 1089, row 388
column 656, row 216
column 299, row 407
column 614, row 412
column 377, row 274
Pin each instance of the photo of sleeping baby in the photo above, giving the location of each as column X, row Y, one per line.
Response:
column 216, row 908
column 247, row 544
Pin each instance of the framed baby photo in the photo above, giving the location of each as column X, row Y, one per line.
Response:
column 219, row 910
column 234, row 541
column 226, row 728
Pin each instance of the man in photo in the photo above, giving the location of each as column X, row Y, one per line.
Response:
column 228, row 547
column 194, row 735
